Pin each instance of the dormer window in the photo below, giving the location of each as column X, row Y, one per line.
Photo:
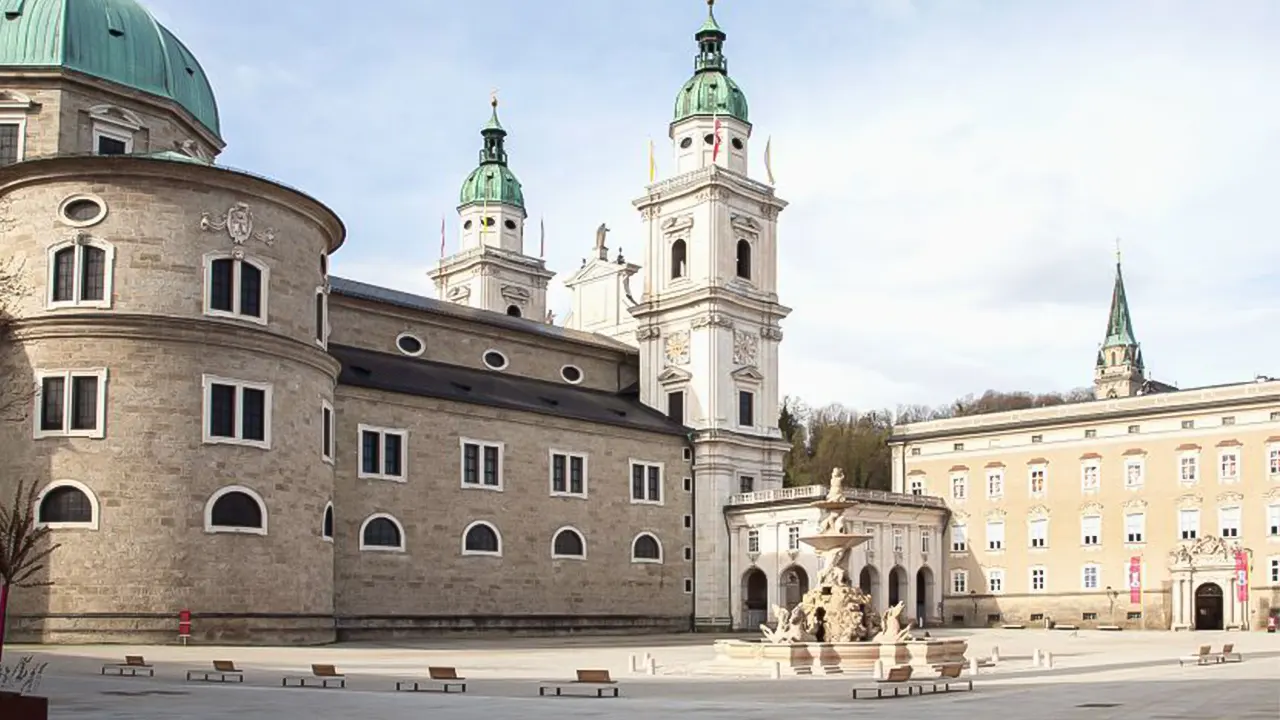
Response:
column 679, row 259
column 744, row 259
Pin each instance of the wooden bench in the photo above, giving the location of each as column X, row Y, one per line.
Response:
column 442, row 679
column 324, row 673
column 1229, row 654
column 599, row 680
column 897, row 679
column 949, row 675
column 223, row 671
column 1202, row 657
column 132, row 665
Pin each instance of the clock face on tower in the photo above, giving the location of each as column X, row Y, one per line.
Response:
column 678, row 347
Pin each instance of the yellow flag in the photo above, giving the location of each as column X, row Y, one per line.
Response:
column 653, row 167
column 768, row 158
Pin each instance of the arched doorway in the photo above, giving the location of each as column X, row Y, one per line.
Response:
column 755, row 597
column 897, row 586
column 869, row 582
column 795, row 583
column 1209, row 607
column 924, row 591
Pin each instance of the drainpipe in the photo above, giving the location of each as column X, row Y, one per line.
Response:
column 728, row 543
column 693, row 531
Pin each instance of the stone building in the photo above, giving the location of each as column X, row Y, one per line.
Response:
column 1150, row 506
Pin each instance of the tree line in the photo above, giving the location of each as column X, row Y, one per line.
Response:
column 858, row 441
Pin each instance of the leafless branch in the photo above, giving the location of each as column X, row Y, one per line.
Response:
column 17, row 390
column 21, row 556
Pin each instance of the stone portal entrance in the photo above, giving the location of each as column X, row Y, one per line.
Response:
column 1209, row 607
column 795, row 583
column 755, row 591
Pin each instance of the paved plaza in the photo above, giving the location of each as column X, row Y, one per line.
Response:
column 1096, row 675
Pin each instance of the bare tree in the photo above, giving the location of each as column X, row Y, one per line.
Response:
column 21, row 554
column 16, row 390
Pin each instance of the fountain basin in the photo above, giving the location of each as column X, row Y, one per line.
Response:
column 828, row 658
column 822, row 543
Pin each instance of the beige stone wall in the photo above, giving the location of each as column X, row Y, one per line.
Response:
column 1248, row 425
column 41, row 118
column 433, row 578
column 449, row 340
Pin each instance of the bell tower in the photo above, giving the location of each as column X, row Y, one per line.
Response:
column 1119, row 371
column 707, row 323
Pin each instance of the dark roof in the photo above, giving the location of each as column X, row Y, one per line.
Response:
column 375, row 293
column 410, row 376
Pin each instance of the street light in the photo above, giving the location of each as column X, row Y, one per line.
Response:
column 973, row 595
column 1111, row 596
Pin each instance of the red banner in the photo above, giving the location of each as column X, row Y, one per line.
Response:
column 1135, row 580
column 1242, row 576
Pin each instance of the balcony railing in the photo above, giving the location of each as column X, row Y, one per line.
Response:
column 816, row 492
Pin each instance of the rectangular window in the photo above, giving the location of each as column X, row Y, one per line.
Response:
column 326, row 431
column 568, row 474
column 1228, row 420
column 746, row 484
column 958, row 447
column 236, row 288
column 646, row 482
column 1090, row 530
column 1229, row 466
column 959, row 582
column 753, row 541
column 1090, row 579
column 1037, row 579
column 995, row 484
column 1229, row 522
column 237, row 412
column 1089, row 476
column 70, row 403
column 1036, row 479
column 688, row 522
column 899, row 540
column 1135, row 527
column 959, row 543
column 959, row 487
column 1273, row 460
column 111, row 142
column 1188, row 424
column 1038, row 531
column 1189, row 524
column 926, row 540
column 1037, row 438
column 1135, row 429
column 995, row 535
column 1275, row 571
column 995, row 581
column 675, row 406
column 481, row 464
column 1133, row 472
column 382, row 453
column 746, row 408
column 793, row 537
column 322, row 317
column 1189, row 468
column 1273, row 520
column 79, row 275
column 917, row 484
column 10, row 142
column 1091, row 433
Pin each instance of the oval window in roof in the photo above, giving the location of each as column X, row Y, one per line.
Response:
column 572, row 374
column 494, row 360
column 410, row 344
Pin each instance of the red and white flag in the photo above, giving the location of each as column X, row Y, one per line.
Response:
column 715, row 149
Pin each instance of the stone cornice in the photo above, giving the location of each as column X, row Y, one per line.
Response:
column 713, row 175
column 161, row 328
column 476, row 256
column 716, row 297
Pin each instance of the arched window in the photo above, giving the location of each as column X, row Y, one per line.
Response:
column 679, row 259
column 67, row 504
column 236, row 509
column 744, row 259
column 514, row 311
column 481, row 538
column 646, row 548
column 568, row 543
column 80, row 274
column 381, row 532
column 236, row 287
column 326, row 529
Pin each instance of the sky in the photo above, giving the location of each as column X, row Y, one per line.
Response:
column 958, row 171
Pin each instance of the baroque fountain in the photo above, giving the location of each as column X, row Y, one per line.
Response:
column 834, row 627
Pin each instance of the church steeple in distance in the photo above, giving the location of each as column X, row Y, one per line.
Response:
column 1119, row 371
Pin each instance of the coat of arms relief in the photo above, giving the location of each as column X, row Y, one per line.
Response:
column 744, row 348
column 238, row 222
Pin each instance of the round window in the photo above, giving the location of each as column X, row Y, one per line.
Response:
column 709, row 139
column 82, row 210
column 509, row 224
column 571, row 374
column 466, row 225
column 488, row 222
column 737, row 143
column 494, row 360
column 411, row 345
column 685, row 143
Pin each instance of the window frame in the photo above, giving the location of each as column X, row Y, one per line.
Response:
column 94, row 510
column 328, row 511
column 236, row 293
column 568, row 456
column 401, row 548
column 223, row 491
column 963, row 586
column 329, row 425
column 383, row 432
column 20, row 120
column 323, row 328
column 1031, row 579
column 996, row 474
column 68, row 386
column 207, row 382
column 749, row 397
column 753, row 541
column 1194, row 457
column 662, row 481
column 1085, row 466
column 1032, row 523
column 78, row 243
column 916, row 485
column 1234, row 453
column 1139, row 463
column 998, row 575
column 1272, row 524
column 112, row 131
column 1273, row 465
column 484, row 553
column 963, row 545
column 964, row 486
column 631, row 549
column 501, row 447
column 1043, row 469
column 1084, row 532
column 581, row 538
column 1142, row 528
column 995, row 544
column 1222, row 525
column 1180, row 530
column 1097, row 576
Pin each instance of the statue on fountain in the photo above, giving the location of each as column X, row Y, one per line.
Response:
column 790, row 625
column 891, row 627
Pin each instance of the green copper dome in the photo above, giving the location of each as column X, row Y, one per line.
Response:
column 115, row 40
column 710, row 91
column 493, row 181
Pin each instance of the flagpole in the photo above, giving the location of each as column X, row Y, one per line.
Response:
column 542, row 237
column 768, row 158
column 444, row 279
column 652, row 162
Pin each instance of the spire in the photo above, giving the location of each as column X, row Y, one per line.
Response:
column 493, row 152
column 710, row 44
column 1119, row 324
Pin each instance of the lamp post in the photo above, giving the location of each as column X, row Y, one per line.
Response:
column 973, row 595
column 1111, row 597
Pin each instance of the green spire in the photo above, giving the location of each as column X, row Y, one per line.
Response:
column 493, row 152
column 1119, row 324
column 710, row 27
column 492, row 181
column 710, row 91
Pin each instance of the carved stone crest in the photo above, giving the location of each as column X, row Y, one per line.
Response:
column 677, row 347
column 744, row 348
column 238, row 222
column 771, row 333
column 711, row 319
column 648, row 333
column 515, row 294
column 459, row 294
column 1038, row 511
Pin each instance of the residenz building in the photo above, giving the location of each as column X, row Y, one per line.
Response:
column 217, row 425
